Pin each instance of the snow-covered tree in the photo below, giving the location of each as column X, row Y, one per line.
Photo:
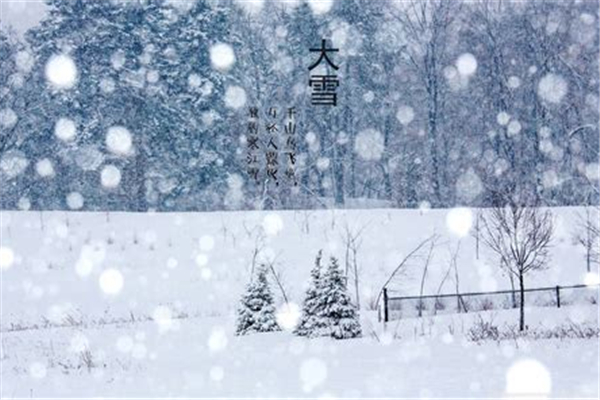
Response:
column 312, row 322
column 341, row 315
column 256, row 312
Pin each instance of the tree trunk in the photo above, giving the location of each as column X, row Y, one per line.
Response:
column 522, row 305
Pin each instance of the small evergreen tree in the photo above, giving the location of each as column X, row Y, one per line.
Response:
column 312, row 323
column 341, row 315
column 256, row 312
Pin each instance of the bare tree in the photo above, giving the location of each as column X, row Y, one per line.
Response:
column 587, row 235
column 401, row 268
column 521, row 237
column 424, row 275
column 353, row 241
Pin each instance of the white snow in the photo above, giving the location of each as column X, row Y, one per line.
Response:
column 125, row 344
column 75, row 200
column 222, row 56
column 369, row 145
column 459, row 221
column 65, row 129
column 110, row 177
column 552, row 88
column 235, row 97
column 320, row 7
column 111, row 281
column 172, row 263
column 119, row 141
column 466, row 64
column 44, row 168
column 61, row 71
column 405, row 114
column 217, row 373
column 528, row 377
column 313, row 372
column 7, row 257
column 37, row 370
column 129, row 349
column 8, row 118
column 79, row 343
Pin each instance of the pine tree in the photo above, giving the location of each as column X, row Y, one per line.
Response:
column 256, row 312
column 312, row 322
column 341, row 315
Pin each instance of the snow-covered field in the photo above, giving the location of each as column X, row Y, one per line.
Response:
column 119, row 304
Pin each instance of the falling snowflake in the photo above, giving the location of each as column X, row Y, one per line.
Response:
column 222, row 56
column 235, row 97
column 61, row 71
column 466, row 64
column 405, row 115
column 65, row 129
column 469, row 185
column 217, row 340
column 13, row 163
column 118, row 140
column 111, row 281
column 528, row 377
column 369, row 145
column 320, row 7
column 288, row 316
column 251, row 7
column 503, row 118
column 272, row 224
column 110, row 177
column 7, row 257
column 552, row 88
column 514, row 127
column 459, row 221
column 44, row 168
column 8, row 118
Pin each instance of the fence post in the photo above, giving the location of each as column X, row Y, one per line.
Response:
column 385, row 306
column 558, row 296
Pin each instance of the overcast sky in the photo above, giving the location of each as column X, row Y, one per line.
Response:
column 21, row 14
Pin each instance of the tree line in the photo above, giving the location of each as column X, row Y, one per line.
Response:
column 440, row 103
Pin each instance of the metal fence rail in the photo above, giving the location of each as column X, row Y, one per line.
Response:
column 396, row 307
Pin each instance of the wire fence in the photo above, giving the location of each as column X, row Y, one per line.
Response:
column 397, row 307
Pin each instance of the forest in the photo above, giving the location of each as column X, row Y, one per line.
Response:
column 440, row 104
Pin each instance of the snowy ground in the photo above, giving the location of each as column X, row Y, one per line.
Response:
column 118, row 304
